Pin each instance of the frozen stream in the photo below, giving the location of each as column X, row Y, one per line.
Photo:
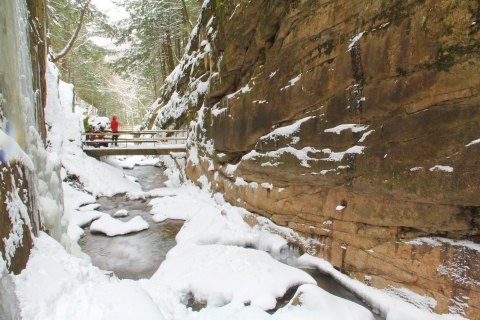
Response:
column 138, row 255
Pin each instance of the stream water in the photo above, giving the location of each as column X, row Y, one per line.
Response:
column 139, row 255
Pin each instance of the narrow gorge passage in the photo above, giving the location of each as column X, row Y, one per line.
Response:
column 247, row 159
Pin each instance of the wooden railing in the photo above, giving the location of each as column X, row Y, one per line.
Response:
column 133, row 138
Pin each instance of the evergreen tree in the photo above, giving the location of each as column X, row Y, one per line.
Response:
column 156, row 34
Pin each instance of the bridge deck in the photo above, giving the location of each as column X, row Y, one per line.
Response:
column 132, row 151
column 134, row 143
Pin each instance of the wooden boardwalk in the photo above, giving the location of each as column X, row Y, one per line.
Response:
column 129, row 143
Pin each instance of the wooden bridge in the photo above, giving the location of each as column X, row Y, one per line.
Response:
column 148, row 142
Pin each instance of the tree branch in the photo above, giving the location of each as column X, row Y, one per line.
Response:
column 71, row 42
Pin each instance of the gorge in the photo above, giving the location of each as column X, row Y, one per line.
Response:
column 348, row 129
column 352, row 122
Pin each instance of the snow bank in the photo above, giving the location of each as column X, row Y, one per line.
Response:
column 56, row 285
column 218, row 274
column 64, row 137
column 390, row 307
column 313, row 303
column 113, row 227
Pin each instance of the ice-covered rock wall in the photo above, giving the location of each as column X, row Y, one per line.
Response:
column 353, row 122
column 30, row 182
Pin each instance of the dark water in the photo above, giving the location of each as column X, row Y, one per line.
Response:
column 138, row 255
column 323, row 280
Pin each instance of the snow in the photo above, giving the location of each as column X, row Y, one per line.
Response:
column 56, row 285
column 390, row 307
column 210, row 261
column 218, row 274
column 291, row 82
column 286, row 130
column 240, row 182
column 300, row 154
column 120, row 213
column 365, row 135
column 113, row 227
column 338, row 156
column 242, row 90
column 89, row 207
column 472, row 142
column 353, row 127
column 416, row 169
column 217, row 112
column 441, row 168
column 65, row 140
column 18, row 215
column 230, row 169
column 355, row 40
column 131, row 161
column 315, row 303
column 233, row 13
column 438, row 241
column 267, row 185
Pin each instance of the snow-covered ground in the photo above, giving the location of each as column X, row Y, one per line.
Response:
column 220, row 260
column 211, row 264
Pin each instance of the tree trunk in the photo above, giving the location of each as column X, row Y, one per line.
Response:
column 186, row 17
column 169, row 52
column 155, row 88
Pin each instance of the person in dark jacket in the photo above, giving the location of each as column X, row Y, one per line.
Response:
column 114, row 126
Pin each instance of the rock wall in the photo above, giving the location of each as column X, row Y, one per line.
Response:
column 353, row 122
column 22, row 126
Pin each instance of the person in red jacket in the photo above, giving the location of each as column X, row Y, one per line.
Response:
column 114, row 125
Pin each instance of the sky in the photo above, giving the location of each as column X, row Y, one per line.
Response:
column 113, row 11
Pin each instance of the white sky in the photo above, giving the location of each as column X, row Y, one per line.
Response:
column 113, row 11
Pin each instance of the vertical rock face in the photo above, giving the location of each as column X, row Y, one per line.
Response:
column 353, row 122
column 22, row 101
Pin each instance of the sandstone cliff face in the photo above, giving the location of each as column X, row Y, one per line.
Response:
column 353, row 122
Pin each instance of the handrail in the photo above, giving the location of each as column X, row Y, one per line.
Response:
column 136, row 140
column 131, row 132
